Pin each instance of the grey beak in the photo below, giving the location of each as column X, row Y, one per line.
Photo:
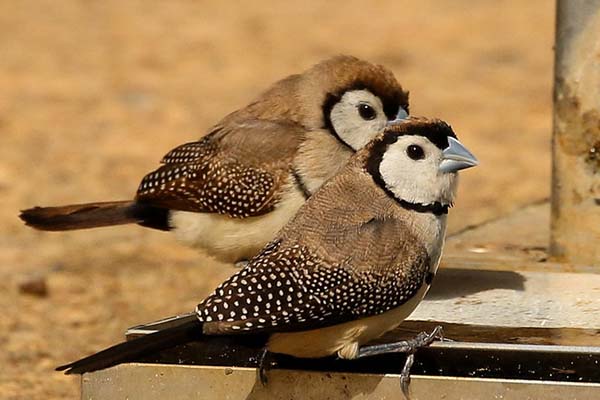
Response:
column 456, row 157
column 402, row 115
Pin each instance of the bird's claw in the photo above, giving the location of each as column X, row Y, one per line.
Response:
column 405, row 375
column 423, row 339
column 427, row 338
column 263, row 366
column 410, row 347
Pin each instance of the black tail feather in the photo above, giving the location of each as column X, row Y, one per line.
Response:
column 189, row 330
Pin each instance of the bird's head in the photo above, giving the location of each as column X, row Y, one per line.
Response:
column 356, row 99
column 350, row 98
column 416, row 161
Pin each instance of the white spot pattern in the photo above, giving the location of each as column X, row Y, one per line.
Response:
column 194, row 178
column 306, row 293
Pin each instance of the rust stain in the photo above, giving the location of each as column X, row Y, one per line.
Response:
column 578, row 132
column 593, row 157
column 576, row 185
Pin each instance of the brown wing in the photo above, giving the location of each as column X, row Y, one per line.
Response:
column 288, row 288
column 238, row 170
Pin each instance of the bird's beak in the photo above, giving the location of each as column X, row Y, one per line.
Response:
column 456, row 157
column 402, row 115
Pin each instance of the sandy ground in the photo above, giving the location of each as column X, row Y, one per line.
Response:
column 93, row 93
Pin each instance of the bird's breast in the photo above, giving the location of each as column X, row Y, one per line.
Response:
column 430, row 230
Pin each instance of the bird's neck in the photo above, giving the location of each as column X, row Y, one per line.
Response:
column 319, row 158
column 435, row 208
column 430, row 229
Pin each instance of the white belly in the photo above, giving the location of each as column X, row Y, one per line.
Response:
column 233, row 239
column 343, row 339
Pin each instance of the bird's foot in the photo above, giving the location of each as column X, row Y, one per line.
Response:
column 423, row 339
column 410, row 347
column 264, row 365
column 241, row 264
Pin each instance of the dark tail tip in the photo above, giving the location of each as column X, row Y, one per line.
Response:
column 62, row 368
column 30, row 216
column 189, row 330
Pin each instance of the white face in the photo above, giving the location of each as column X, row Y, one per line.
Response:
column 410, row 170
column 358, row 117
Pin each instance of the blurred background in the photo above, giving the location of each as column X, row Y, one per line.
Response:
column 94, row 93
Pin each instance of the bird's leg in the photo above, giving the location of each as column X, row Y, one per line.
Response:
column 241, row 264
column 423, row 339
column 409, row 346
column 264, row 364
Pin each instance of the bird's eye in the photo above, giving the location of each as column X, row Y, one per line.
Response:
column 366, row 112
column 415, row 152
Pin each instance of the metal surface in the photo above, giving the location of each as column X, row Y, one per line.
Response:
column 575, row 221
column 453, row 359
column 534, row 348
column 153, row 382
column 224, row 368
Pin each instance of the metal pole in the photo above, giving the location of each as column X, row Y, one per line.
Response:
column 575, row 222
